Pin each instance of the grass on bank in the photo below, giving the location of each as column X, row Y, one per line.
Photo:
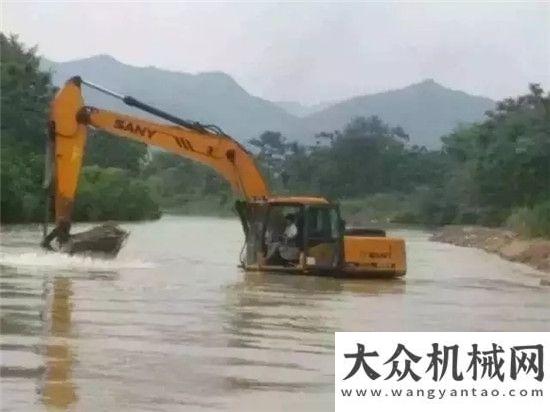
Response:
column 531, row 222
column 425, row 209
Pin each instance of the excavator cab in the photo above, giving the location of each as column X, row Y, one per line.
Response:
column 292, row 234
column 322, row 245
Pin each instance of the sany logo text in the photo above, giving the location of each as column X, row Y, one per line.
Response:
column 143, row 131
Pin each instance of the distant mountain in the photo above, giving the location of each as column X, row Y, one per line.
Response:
column 302, row 110
column 213, row 98
column 425, row 110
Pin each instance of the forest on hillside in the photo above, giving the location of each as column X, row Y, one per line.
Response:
column 495, row 172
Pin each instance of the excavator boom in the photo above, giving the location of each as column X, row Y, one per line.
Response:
column 205, row 144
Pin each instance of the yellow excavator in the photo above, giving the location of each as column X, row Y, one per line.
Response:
column 297, row 234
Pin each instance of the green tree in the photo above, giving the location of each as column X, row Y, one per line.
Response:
column 178, row 184
column 505, row 159
column 272, row 148
column 24, row 99
column 105, row 150
column 112, row 194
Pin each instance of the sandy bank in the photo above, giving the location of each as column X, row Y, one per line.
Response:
column 534, row 252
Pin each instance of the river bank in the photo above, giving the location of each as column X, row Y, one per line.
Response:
column 506, row 243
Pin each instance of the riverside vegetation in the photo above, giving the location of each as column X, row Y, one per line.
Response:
column 492, row 173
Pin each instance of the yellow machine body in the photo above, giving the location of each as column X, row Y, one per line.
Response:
column 381, row 256
column 324, row 246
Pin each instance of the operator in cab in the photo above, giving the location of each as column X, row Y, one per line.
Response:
column 291, row 230
column 287, row 249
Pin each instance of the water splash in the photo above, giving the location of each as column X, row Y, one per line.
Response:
column 64, row 261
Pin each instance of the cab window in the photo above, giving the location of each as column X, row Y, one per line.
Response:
column 322, row 223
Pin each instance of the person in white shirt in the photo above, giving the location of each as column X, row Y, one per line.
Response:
column 287, row 247
column 291, row 231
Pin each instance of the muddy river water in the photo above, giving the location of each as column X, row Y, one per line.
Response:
column 173, row 324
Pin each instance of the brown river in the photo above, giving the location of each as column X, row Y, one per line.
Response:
column 173, row 324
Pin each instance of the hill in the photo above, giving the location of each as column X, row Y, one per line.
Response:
column 426, row 111
column 302, row 110
column 212, row 97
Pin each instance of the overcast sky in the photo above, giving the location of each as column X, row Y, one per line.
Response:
column 307, row 52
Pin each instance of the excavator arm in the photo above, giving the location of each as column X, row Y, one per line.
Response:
column 70, row 119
